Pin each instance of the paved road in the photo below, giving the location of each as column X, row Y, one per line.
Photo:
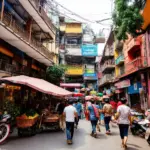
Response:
column 82, row 141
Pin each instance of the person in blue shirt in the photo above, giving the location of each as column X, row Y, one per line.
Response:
column 78, row 107
column 93, row 118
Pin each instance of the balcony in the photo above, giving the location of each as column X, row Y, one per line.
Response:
column 16, row 35
column 9, row 68
column 133, row 44
column 108, row 67
column 73, row 49
column 35, row 10
column 73, row 46
column 109, row 51
column 119, row 60
column 107, row 78
column 134, row 65
column 22, row 70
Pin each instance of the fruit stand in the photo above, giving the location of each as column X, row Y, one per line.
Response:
column 31, row 116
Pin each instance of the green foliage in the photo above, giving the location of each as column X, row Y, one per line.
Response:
column 127, row 18
column 55, row 73
column 11, row 108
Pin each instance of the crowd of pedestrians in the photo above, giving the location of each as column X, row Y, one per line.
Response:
column 97, row 113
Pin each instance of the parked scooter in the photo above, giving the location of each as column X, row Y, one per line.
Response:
column 146, row 125
column 5, row 127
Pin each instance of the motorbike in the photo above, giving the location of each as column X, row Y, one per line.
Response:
column 5, row 127
column 146, row 125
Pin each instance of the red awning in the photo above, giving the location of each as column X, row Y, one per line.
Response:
column 71, row 85
column 39, row 85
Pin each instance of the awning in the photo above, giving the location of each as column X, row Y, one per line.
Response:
column 39, row 85
column 71, row 85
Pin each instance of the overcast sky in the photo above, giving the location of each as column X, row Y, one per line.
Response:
column 92, row 10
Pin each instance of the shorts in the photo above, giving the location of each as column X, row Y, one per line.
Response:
column 123, row 130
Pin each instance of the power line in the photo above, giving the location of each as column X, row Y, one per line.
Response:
column 71, row 12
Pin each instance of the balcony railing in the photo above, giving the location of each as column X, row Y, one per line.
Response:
column 119, row 60
column 22, row 70
column 107, row 78
column 108, row 66
column 73, row 45
column 11, row 23
column 133, row 44
column 7, row 67
column 135, row 64
column 43, row 14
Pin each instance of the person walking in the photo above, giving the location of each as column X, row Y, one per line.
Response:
column 107, row 110
column 93, row 112
column 78, row 107
column 70, row 113
column 124, row 120
column 102, row 114
column 60, row 111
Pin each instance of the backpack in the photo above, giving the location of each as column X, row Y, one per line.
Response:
column 96, row 112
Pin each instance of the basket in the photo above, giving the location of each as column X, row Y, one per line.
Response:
column 51, row 118
column 25, row 123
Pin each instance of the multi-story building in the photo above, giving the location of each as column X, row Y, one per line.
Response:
column 71, row 40
column 107, row 65
column 89, row 54
column 27, row 39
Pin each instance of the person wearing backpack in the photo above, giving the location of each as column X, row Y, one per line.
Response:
column 107, row 110
column 94, row 116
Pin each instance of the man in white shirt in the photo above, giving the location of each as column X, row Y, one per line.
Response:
column 70, row 113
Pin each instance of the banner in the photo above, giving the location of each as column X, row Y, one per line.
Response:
column 89, row 50
column 74, row 70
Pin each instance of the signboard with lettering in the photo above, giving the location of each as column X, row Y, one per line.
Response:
column 89, row 50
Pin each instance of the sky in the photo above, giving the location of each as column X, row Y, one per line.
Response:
column 92, row 10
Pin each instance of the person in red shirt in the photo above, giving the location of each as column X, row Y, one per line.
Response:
column 114, row 105
column 119, row 103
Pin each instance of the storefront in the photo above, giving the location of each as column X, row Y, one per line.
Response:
column 90, row 81
column 134, row 94
column 121, row 88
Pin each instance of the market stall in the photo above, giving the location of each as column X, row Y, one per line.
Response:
column 38, row 109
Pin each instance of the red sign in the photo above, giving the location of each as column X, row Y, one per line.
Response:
column 123, row 84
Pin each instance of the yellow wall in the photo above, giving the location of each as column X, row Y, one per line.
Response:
column 146, row 15
column 53, row 48
column 116, row 54
column 73, row 28
column 74, row 70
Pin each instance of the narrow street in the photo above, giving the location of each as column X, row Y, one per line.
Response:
column 82, row 141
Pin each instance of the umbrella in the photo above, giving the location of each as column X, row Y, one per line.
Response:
column 105, row 96
column 78, row 94
column 88, row 97
column 100, row 94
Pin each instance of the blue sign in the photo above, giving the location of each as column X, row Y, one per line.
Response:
column 90, row 76
column 89, row 50
column 134, row 89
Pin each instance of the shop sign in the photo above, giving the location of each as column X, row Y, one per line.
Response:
column 123, row 84
column 90, row 69
column 74, row 70
column 90, row 76
column 134, row 89
column 89, row 50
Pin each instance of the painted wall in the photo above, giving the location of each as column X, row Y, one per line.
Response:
column 73, row 28
column 145, row 15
